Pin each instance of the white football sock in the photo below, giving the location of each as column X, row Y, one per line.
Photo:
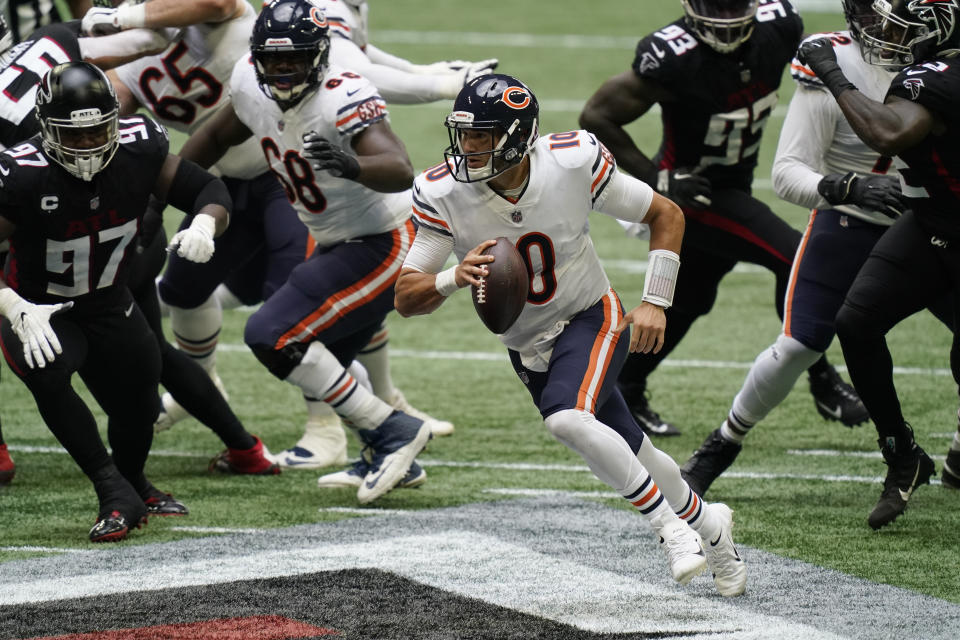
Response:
column 771, row 378
column 609, row 457
column 320, row 375
column 197, row 331
column 375, row 357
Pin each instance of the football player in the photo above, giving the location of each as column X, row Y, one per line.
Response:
column 915, row 263
column 266, row 239
column 21, row 67
column 715, row 73
column 854, row 193
column 324, row 131
column 500, row 178
column 72, row 202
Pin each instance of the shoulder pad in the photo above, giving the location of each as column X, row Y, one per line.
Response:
column 570, row 149
column 663, row 48
column 358, row 104
column 431, row 185
column 338, row 19
column 143, row 135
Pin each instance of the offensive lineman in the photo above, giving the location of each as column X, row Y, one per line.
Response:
column 72, row 202
column 854, row 193
column 715, row 74
column 325, row 133
column 915, row 263
column 501, row 179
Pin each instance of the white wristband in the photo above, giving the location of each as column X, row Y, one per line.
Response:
column 8, row 300
column 206, row 223
column 132, row 16
column 447, row 281
column 660, row 282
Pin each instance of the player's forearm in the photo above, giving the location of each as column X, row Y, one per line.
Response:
column 629, row 157
column 116, row 49
column 880, row 126
column 416, row 293
column 666, row 224
column 183, row 13
column 385, row 172
column 795, row 181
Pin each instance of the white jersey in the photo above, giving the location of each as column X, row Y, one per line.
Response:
column 333, row 209
column 816, row 138
column 189, row 82
column 347, row 20
column 569, row 176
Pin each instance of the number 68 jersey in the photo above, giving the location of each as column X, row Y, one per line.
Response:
column 75, row 240
column 549, row 224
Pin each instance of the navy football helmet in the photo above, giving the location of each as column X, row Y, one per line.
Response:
column 504, row 107
column 78, row 113
column 911, row 31
column 290, row 46
column 722, row 25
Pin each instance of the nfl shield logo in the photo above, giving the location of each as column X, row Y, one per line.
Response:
column 517, row 216
column 280, row 125
column 95, row 202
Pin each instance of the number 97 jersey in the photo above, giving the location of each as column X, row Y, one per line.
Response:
column 719, row 103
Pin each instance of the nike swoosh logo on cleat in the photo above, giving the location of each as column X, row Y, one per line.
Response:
column 372, row 483
column 836, row 413
column 714, row 543
column 905, row 495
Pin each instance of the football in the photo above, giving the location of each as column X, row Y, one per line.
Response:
column 500, row 297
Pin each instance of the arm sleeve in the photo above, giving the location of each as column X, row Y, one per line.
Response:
column 395, row 85
column 429, row 251
column 125, row 43
column 625, row 198
column 805, row 138
column 379, row 56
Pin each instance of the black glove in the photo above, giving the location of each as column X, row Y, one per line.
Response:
column 873, row 193
column 684, row 187
column 822, row 59
column 327, row 156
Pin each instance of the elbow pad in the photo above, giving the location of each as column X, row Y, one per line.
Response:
column 193, row 188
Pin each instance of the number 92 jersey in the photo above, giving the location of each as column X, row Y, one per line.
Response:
column 719, row 103
column 549, row 224
column 75, row 240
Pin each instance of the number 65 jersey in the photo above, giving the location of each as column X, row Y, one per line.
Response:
column 719, row 103
column 549, row 224
column 75, row 240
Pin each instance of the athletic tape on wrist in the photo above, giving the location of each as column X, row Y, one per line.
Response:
column 660, row 282
column 447, row 281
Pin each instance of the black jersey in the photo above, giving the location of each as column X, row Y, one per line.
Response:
column 719, row 102
column 21, row 68
column 74, row 240
column 931, row 169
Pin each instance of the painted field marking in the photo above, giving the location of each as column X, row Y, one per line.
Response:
column 834, row 453
column 46, row 549
column 215, row 530
column 363, row 512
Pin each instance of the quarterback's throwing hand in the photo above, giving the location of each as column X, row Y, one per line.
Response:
column 649, row 323
column 327, row 156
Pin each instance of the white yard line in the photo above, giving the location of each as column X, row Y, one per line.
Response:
column 834, row 453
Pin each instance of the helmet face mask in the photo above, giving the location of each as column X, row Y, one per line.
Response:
column 78, row 113
column 290, row 46
column 493, row 126
column 910, row 31
column 859, row 15
column 722, row 25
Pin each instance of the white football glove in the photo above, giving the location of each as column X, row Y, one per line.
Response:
column 195, row 243
column 101, row 21
column 31, row 323
column 473, row 69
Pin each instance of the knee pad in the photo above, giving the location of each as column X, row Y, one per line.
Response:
column 564, row 425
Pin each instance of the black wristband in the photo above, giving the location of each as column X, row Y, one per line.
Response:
column 834, row 80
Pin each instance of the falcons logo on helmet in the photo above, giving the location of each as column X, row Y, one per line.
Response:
column 943, row 13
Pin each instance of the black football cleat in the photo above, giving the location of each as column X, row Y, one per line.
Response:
column 648, row 419
column 837, row 400
column 164, row 504
column 114, row 527
column 905, row 472
column 950, row 476
column 709, row 461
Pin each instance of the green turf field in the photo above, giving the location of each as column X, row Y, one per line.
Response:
column 791, row 497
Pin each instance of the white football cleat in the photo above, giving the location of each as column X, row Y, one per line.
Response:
column 682, row 546
column 438, row 428
column 323, row 444
column 729, row 570
column 173, row 413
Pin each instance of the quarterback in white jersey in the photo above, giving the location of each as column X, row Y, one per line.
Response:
column 501, row 179
column 398, row 80
column 325, row 134
column 854, row 193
